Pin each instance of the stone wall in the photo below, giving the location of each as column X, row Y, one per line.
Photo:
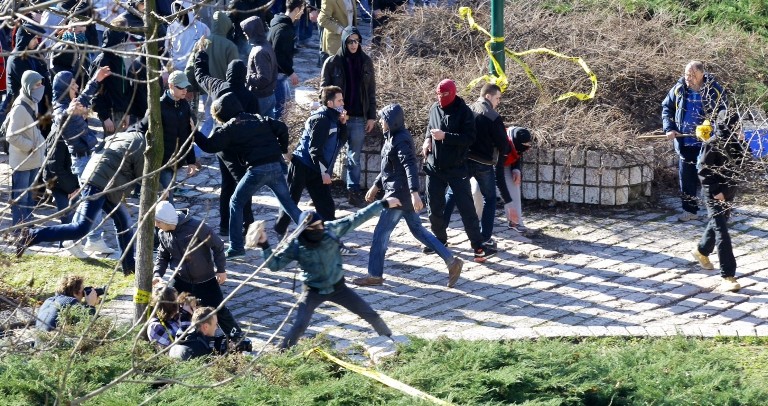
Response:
column 591, row 177
column 370, row 160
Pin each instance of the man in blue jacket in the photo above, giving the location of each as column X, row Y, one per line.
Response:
column 694, row 98
column 325, row 131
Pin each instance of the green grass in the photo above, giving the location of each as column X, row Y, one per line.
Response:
column 616, row 371
column 36, row 275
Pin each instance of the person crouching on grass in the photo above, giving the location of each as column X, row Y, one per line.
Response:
column 317, row 250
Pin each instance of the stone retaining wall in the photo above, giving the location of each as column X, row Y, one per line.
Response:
column 591, row 177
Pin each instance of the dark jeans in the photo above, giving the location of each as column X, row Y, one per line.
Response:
column 300, row 177
column 209, row 293
column 486, row 180
column 716, row 234
column 689, row 178
column 228, row 185
column 436, row 188
column 83, row 222
column 342, row 296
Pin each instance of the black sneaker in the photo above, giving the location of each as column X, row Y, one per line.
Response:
column 428, row 250
column 491, row 243
column 355, row 200
column 481, row 254
column 235, row 254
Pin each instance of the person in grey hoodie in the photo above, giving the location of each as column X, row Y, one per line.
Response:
column 399, row 177
column 262, row 65
column 26, row 145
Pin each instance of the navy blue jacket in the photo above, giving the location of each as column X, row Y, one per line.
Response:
column 74, row 130
column 399, row 174
column 713, row 99
column 321, row 140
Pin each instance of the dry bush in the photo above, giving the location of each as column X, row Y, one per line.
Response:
column 635, row 59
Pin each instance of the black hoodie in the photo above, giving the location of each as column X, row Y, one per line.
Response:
column 235, row 83
column 399, row 166
column 282, row 35
column 21, row 61
column 115, row 93
column 354, row 74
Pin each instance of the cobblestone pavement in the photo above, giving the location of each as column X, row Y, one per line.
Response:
column 586, row 272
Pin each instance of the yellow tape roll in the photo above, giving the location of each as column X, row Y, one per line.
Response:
column 386, row 380
column 502, row 81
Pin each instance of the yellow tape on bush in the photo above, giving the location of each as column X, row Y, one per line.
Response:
column 141, row 296
column 391, row 382
column 501, row 79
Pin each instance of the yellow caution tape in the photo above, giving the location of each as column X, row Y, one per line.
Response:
column 502, row 81
column 386, row 380
column 141, row 296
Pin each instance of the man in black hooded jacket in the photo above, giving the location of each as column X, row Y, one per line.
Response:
column 261, row 151
column 113, row 100
column 21, row 60
column 231, row 172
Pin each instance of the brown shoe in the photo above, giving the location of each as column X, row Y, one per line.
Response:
column 454, row 271
column 368, row 281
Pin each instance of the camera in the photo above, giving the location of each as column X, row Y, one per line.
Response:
column 100, row 291
column 223, row 345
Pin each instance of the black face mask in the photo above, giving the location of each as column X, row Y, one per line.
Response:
column 312, row 238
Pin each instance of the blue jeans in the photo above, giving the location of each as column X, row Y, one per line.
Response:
column 436, row 188
column 304, row 28
column 167, row 178
column 387, row 222
column 78, row 167
column 21, row 194
column 282, row 94
column 83, row 221
column 486, row 180
column 269, row 175
column 207, row 125
column 689, row 177
column 356, row 133
column 267, row 106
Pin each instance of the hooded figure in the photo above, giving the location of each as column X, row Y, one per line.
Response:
column 73, row 129
column 354, row 74
column 219, row 48
column 235, row 82
column 21, row 60
column 262, row 61
column 115, row 93
column 26, row 144
column 183, row 34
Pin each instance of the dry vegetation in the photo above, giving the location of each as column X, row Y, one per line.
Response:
column 636, row 61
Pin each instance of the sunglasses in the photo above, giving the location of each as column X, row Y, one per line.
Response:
column 179, row 87
column 353, row 41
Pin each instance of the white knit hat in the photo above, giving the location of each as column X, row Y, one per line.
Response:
column 165, row 212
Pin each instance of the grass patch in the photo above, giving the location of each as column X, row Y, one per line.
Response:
column 600, row 371
column 35, row 276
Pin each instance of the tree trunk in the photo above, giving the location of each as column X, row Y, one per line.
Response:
column 153, row 155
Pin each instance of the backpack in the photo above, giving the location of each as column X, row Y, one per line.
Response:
column 4, row 127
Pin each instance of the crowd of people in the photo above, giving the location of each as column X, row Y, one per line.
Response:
column 241, row 71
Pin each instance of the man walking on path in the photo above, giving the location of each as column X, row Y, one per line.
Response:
column 694, row 98
column 450, row 132
column 399, row 177
column 490, row 143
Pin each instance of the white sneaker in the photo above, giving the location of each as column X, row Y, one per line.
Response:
column 687, row 216
column 76, row 250
column 99, row 247
column 346, row 251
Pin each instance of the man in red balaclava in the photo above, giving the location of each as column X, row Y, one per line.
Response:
column 450, row 132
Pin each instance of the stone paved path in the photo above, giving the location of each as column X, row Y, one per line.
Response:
column 595, row 272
